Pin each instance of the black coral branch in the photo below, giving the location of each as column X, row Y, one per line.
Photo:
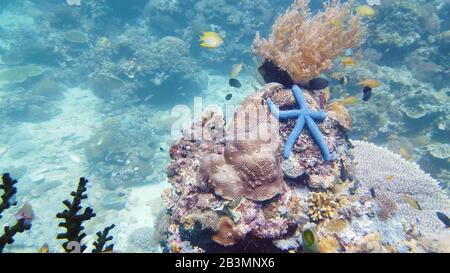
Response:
column 102, row 238
column 72, row 220
column 8, row 192
column 10, row 232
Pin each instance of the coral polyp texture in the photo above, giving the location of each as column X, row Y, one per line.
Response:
column 306, row 45
column 321, row 205
column 400, row 180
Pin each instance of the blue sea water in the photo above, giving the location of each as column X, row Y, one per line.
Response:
column 88, row 89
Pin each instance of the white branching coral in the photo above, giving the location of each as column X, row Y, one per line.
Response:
column 305, row 45
column 380, row 170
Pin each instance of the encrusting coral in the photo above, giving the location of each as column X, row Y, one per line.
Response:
column 227, row 235
column 306, row 45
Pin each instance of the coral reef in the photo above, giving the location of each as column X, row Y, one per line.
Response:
column 364, row 209
column 306, row 45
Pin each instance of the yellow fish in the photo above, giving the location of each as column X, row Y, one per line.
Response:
column 210, row 39
column 412, row 202
column 336, row 22
column 372, row 83
column 365, row 10
column 348, row 61
column 404, row 153
column 389, row 177
column 236, row 69
column 349, row 100
column 43, row 249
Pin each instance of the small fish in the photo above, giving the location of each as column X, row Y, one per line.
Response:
column 343, row 80
column 234, row 83
column 349, row 100
column 291, row 251
column 367, row 93
column 228, row 96
column 390, row 177
column 236, row 69
column 340, row 77
column 372, row 192
column 443, row 218
column 44, row 248
column 210, row 39
column 404, row 153
column 336, row 22
column 412, row 202
column 365, row 10
column 372, row 83
column 26, row 212
column 161, row 149
column 317, row 84
column 343, row 172
column 348, row 61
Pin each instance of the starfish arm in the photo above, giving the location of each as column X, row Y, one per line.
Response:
column 320, row 115
column 299, row 97
column 293, row 136
column 282, row 114
column 318, row 138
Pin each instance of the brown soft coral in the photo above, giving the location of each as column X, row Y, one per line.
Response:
column 250, row 165
column 306, row 45
column 228, row 235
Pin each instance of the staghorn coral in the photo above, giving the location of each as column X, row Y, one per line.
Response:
column 321, row 205
column 373, row 164
column 305, row 46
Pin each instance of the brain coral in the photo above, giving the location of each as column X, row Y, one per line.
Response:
column 386, row 172
column 250, row 164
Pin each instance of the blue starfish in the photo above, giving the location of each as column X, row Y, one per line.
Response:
column 303, row 115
